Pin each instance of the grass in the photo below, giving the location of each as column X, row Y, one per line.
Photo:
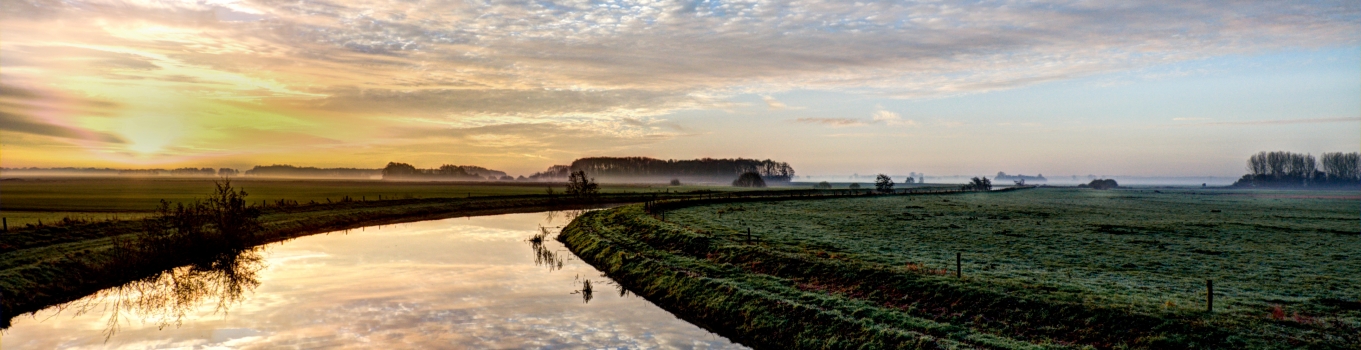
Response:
column 26, row 201
column 1053, row 267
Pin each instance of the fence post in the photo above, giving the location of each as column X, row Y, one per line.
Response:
column 959, row 266
column 748, row 235
column 1209, row 296
column 6, row 221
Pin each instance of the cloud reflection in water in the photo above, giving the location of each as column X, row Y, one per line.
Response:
column 468, row 283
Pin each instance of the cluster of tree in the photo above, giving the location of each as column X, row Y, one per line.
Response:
column 696, row 170
column 402, row 171
column 1286, row 169
column 978, row 184
column 1001, row 176
column 554, row 173
column 278, row 170
column 822, row 186
column 1100, row 184
column 749, row 179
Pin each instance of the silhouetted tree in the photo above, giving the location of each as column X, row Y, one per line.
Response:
column 883, row 183
column 675, row 182
column 855, row 186
column 580, row 186
column 823, row 186
column 1341, row 167
column 978, row 184
column 1286, row 169
column 749, row 179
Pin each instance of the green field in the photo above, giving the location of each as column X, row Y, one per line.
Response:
column 49, row 199
column 1119, row 268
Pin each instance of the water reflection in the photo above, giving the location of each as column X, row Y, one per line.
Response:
column 168, row 297
column 566, row 216
column 458, row 283
column 542, row 255
column 585, row 291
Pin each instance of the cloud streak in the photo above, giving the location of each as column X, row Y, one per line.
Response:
column 1286, row 121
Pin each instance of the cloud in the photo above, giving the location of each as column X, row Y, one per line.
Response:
column 22, row 110
column 890, row 118
column 1287, row 121
column 835, row 122
column 16, row 123
column 773, row 104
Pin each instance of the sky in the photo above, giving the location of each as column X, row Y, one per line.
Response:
column 832, row 87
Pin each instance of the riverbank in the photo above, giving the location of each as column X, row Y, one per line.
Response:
column 871, row 272
column 51, row 265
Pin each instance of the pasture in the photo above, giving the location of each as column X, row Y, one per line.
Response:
column 1116, row 268
column 51, row 199
column 1149, row 250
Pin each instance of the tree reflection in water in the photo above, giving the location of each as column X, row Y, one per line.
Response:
column 168, row 297
column 567, row 215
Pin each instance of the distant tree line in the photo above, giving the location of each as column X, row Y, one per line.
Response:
column 193, row 172
column 285, row 170
column 693, row 169
column 127, row 172
column 554, row 173
column 1001, row 176
column 1287, row 169
column 63, row 170
column 403, row 171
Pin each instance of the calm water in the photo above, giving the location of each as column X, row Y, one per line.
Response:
column 465, row 283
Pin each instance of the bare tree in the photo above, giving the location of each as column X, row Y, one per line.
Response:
column 580, row 186
column 883, row 183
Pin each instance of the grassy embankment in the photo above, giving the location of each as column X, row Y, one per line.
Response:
column 63, row 261
column 1046, row 267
